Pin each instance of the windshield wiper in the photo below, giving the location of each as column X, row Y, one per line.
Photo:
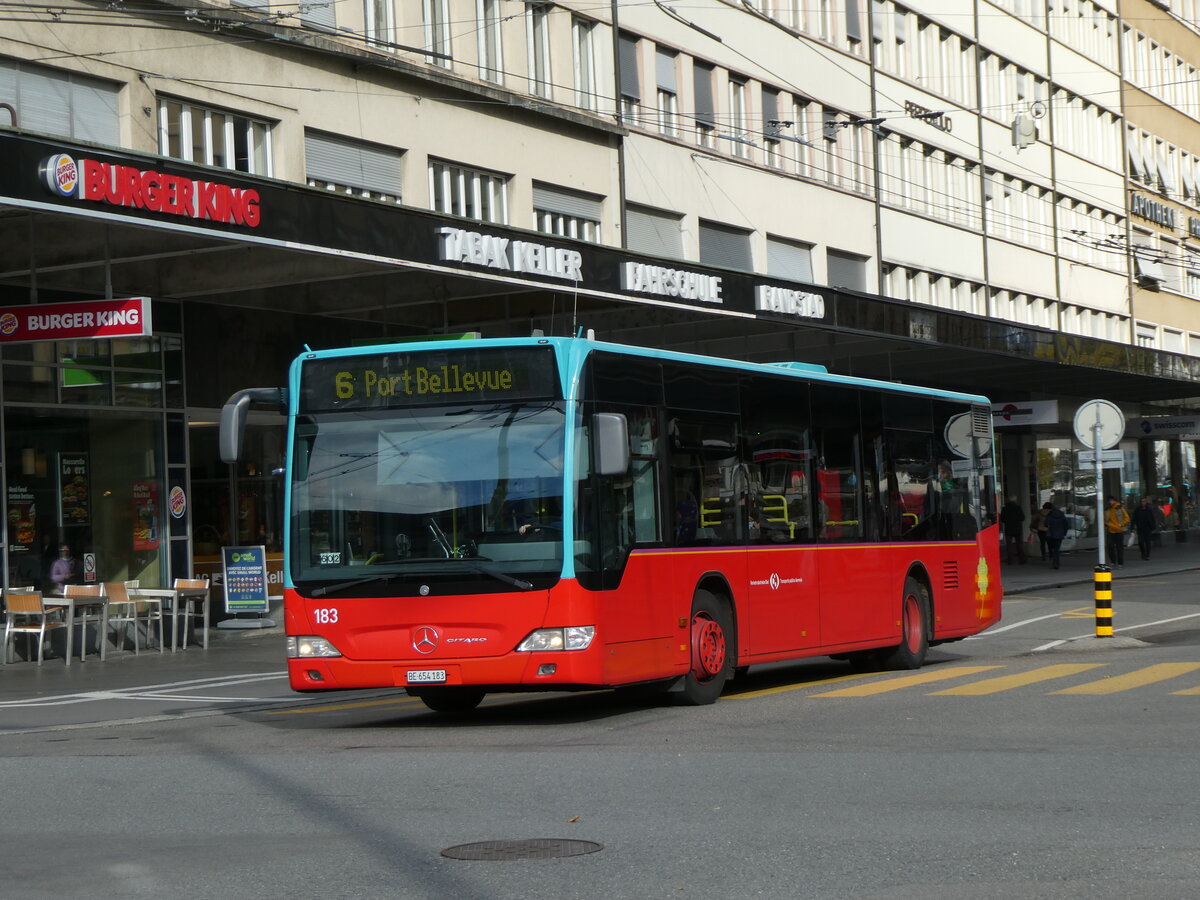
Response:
column 356, row 582
column 518, row 583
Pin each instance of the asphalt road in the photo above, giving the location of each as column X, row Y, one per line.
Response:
column 1018, row 764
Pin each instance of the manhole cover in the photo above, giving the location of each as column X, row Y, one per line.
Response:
column 535, row 848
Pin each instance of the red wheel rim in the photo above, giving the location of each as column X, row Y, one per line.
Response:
column 708, row 646
column 913, row 625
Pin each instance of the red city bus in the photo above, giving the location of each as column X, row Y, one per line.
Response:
column 563, row 514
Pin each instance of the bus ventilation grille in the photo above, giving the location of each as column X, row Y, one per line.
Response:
column 950, row 576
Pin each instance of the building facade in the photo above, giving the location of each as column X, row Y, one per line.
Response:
column 991, row 197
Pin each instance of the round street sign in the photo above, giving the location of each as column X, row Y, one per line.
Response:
column 1112, row 424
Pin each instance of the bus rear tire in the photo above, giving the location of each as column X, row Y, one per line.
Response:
column 713, row 652
column 914, row 628
column 452, row 699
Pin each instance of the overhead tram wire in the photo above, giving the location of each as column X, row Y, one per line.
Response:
column 527, row 103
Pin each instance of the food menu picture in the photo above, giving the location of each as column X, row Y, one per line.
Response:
column 74, row 490
column 22, row 519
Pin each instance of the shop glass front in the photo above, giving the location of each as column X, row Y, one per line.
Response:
column 91, row 452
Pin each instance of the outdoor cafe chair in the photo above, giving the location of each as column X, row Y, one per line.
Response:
column 122, row 612
column 188, row 604
column 25, row 614
column 86, row 592
column 148, row 609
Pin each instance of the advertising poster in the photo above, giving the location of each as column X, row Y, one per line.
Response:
column 245, row 579
column 22, row 519
column 75, row 492
column 145, row 515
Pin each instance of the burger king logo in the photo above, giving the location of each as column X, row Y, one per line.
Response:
column 178, row 502
column 8, row 324
column 61, row 175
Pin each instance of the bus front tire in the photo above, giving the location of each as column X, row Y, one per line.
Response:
column 712, row 650
column 914, row 628
column 452, row 699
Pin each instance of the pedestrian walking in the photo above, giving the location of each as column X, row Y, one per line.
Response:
column 1116, row 523
column 1056, row 532
column 1039, row 526
column 1012, row 519
column 1145, row 523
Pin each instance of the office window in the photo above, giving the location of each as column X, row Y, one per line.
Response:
column 737, row 117
column 437, row 31
column 213, row 137
column 370, row 171
column 470, row 193
column 378, row 22
column 847, row 270
column 566, row 212
column 583, row 34
column 537, row 32
column 491, row 48
column 772, row 129
column 706, row 120
column 60, row 103
column 725, row 246
column 668, row 92
column 631, row 86
column 789, row 259
column 654, row 232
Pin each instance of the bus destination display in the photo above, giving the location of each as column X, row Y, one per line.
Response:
column 426, row 378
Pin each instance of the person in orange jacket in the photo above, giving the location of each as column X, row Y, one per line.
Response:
column 1116, row 523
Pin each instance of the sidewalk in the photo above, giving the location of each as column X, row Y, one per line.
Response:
column 1079, row 565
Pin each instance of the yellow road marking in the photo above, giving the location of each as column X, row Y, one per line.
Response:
column 1188, row 692
column 1083, row 612
column 338, row 707
column 1135, row 679
column 1007, row 682
column 896, row 684
column 783, row 688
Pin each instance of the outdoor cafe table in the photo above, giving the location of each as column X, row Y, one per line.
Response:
column 83, row 605
column 178, row 599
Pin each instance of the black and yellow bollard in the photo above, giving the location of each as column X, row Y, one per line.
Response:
column 1103, row 583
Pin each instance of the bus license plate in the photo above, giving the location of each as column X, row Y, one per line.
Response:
column 427, row 676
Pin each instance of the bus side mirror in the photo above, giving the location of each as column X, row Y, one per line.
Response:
column 233, row 417
column 610, row 435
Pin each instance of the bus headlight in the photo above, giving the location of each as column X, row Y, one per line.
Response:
column 308, row 647
column 573, row 637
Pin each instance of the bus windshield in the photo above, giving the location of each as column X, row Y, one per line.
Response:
column 470, row 492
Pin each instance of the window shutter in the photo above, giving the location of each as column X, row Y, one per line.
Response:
column 725, row 246
column 352, row 163
column 853, row 26
column 630, row 83
column 790, row 260
column 878, row 21
column 43, row 102
column 93, row 111
column 770, row 112
column 653, row 232
column 1135, row 160
column 548, row 198
column 702, row 79
column 319, row 14
column 664, row 71
column 846, row 270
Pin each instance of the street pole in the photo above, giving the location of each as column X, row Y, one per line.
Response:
column 1100, row 533
column 1102, row 584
